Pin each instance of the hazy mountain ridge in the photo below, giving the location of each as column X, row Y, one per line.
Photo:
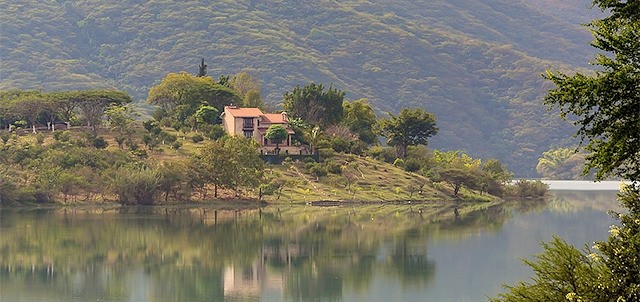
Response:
column 476, row 64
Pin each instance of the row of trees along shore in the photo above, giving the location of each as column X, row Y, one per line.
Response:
column 183, row 153
column 605, row 106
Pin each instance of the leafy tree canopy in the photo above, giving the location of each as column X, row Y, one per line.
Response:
column 276, row 133
column 411, row 127
column 314, row 105
column 180, row 95
column 207, row 115
column 607, row 103
column 361, row 119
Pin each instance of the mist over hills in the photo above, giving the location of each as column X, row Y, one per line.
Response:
column 476, row 64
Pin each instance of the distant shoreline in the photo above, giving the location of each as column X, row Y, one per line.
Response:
column 583, row 185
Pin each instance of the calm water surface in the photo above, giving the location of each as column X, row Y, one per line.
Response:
column 371, row 253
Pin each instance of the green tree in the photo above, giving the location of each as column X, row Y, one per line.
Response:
column 202, row 69
column 247, row 168
column 120, row 120
column 207, row 115
column 314, row 105
column 277, row 134
column 68, row 182
column 253, row 99
column 606, row 105
column 243, row 83
column 29, row 107
column 459, row 177
column 361, row 119
column 411, row 127
column 92, row 103
column 136, row 184
column 248, row 87
column 232, row 162
column 180, row 95
column 560, row 163
column 171, row 177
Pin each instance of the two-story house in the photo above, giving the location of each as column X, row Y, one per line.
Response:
column 253, row 123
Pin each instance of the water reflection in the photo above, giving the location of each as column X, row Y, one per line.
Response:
column 271, row 254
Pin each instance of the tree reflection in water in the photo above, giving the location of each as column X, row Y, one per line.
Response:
column 194, row 254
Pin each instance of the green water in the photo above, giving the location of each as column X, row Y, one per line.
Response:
column 302, row 253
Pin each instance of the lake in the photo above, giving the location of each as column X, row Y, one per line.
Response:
column 285, row 253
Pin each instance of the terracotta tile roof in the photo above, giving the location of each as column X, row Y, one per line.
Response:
column 273, row 118
column 243, row 112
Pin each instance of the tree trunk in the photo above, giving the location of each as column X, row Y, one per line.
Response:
column 401, row 150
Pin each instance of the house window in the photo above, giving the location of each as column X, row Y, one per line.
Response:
column 248, row 134
column 247, row 123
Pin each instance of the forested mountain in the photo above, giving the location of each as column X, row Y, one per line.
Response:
column 476, row 64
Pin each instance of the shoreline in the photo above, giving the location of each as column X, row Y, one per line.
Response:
column 427, row 209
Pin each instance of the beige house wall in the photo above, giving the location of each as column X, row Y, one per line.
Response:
column 234, row 126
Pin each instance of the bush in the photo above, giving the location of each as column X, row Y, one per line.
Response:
column 99, row 142
column 326, row 153
column 526, row 189
column 40, row 138
column 383, row 154
column 176, row 145
column 358, row 147
column 412, row 165
column 334, row 167
column 197, row 138
column 140, row 153
column 340, row 144
column 62, row 136
column 318, row 170
column 168, row 137
column 213, row 132
column 136, row 185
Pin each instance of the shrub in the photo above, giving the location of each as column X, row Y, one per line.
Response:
column 5, row 136
column 213, row 132
column 383, row 154
column 524, row 189
column 140, row 153
column 326, row 153
column 318, row 170
column 40, row 138
column 176, row 145
column 197, row 138
column 99, row 142
column 334, row 167
column 168, row 137
column 62, row 136
column 358, row 147
column 412, row 165
column 136, row 185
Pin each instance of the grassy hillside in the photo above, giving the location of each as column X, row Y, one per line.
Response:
column 475, row 64
column 360, row 179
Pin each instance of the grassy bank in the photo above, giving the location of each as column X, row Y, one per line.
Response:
column 349, row 179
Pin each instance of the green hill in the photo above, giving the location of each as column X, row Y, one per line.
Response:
column 475, row 63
